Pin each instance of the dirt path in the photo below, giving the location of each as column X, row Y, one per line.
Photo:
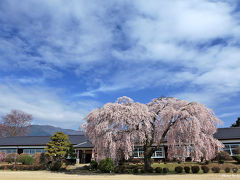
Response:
column 44, row 175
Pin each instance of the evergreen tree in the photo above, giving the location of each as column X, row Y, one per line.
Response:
column 58, row 148
column 237, row 124
column 71, row 152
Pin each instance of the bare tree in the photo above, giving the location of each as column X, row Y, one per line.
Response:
column 15, row 123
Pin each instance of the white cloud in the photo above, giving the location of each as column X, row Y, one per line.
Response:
column 44, row 104
column 168, row 43
column 228, row 114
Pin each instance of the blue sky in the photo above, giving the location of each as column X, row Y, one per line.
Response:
column 60, row 59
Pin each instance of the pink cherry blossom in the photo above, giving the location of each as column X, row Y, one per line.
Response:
column 188, row 128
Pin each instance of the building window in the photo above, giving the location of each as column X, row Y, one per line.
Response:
column 230, row 149
column 8, row 151
column 33, row 151
column 139, row 153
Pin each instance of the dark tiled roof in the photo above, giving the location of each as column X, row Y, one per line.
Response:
column 227, row 133
column 86, row 144
column 41, row 140
column 83, row 142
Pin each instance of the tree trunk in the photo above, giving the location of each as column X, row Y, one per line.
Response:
column 148, row 151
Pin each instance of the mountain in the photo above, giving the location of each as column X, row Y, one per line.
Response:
column 47, row 130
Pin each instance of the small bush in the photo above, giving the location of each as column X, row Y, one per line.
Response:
column 25, row 159
column 93, row 165
column 237, row 158
column 187, row 169
column 236, row 151
column 12, row 157
column 221, row 161
column 128, row 171
column 205, row 169
column 195, row 169
column 150, row 170
column 178, row 169
column 165, row 170
column 135, row 170
column 106, row 165
column 119, row 169
column 158, row 170
column 55, row 165
column 37, row 157
column 23, row 167
column 223, row 156
column 235, row 170
column 207, row 162
column 142, row 171
column 86, row 167
column 42, row 159
column 216, row 169
column 227, row 170
column 136, row 160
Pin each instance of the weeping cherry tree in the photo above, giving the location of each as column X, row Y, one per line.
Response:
column 188, row 128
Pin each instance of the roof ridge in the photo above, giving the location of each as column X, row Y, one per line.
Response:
column 229, row 128
column 40, row 136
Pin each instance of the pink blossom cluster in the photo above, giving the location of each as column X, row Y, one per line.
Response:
column 188, row 128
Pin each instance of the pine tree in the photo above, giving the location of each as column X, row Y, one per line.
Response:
column 58, row 148
column 71, row 152
column 237, row 124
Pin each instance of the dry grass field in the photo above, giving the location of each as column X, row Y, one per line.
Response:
column 45, row 175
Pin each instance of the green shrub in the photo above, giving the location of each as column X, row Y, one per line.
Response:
column 237, row 151
column 55, row 165
column 207, row 162
column 135, row 170
column 195, row 169
column 119, row 169
column 93, row 165
column 178, row 169
column 106, row 165
column 235, row 170
column 237, row 158
column 150, row 170
column 205, row 169
column 216, row 169
column 223, row 156
column 37, row 158
column 12, row 157
column 142, row 171
column 25, row 159
column 19, row 167
column 227, row 170
column 165, row 170
column 128, row 171
column 187, row 169
column 85, row 167
column 158, row 170
column 221, row 161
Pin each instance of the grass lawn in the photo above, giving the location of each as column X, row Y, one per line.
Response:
column 45, row 175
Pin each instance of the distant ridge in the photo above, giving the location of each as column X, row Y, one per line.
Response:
column 47, row 130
